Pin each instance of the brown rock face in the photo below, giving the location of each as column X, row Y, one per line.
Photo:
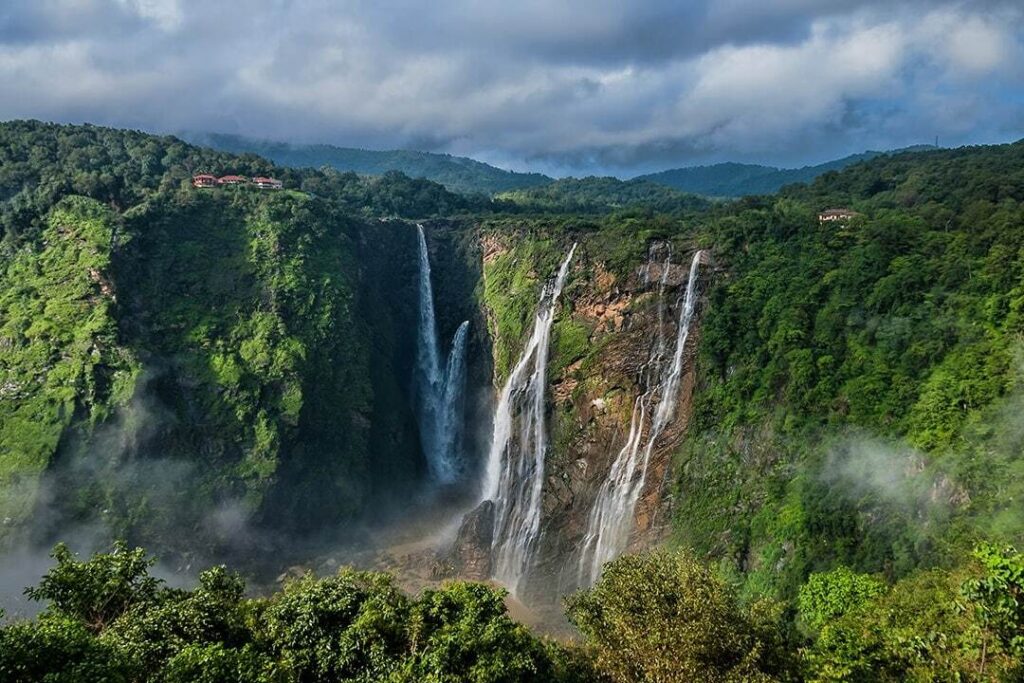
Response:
column 470, row 555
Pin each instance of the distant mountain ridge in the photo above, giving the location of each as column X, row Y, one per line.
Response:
column 731, row 179
column 469, row 176
column 458, row 174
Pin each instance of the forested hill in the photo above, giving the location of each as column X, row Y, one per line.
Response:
column 458, row 174
column 41, row 162
column 863, row 379
column 219, row 372
column 158, row 338
column 738, row 180
column 600, row 195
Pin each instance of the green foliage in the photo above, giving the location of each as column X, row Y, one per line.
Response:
column 570, row 343
column 997, row 599
column 58, row 649
column 219, row 331
column 61, row 353
column 600, row 195
column 462, row 632
column 651, row 617
column 512, row 281
column 349, row 627
column 829, row 595
column 100, row 590
column 662, row 617
column 931, row 626
column 899, row 324
column 41, row 162
column 737, row 180
column 215, row 663
column 108, row 620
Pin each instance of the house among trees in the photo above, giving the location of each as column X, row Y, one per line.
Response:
column 267, row 183
column 207, row 180
column 829, row 215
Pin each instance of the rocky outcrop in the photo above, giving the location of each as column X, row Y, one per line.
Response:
column 591, row 397
column 470, row 555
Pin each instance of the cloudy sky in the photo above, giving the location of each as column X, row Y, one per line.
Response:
column 576, row 86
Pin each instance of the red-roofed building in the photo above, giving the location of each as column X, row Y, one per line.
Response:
column 267, row 183
column 829, row 215
column 204, row 180
column 232, row 180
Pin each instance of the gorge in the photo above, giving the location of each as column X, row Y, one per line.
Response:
column 316, row 366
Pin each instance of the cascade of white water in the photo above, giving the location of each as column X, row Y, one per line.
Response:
column 515, row 464
column 439, row 393
column 611, row 519
column 452, row 403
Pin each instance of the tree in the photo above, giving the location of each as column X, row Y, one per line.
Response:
column 58, row 649
column 829, row 595
column 996, row 598
column 99, row 590
column 664, row 617
column 462, row 633
column 348, row 627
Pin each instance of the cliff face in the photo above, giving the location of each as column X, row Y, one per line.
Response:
column 251, row 352
column 600, row 350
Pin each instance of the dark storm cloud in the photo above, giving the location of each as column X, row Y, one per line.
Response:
column 578, row 85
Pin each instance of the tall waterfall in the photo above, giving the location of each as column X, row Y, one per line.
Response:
column 515, row 464
column 452, row 401
column 439, row 392
column 611, row 519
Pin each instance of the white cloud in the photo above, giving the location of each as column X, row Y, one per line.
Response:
column 586, row 83
column 971, row 45
column 166, row 14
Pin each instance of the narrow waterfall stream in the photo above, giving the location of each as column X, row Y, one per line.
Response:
column 452, row 402
column 611, row 519
column 440, row 392
column 515, row 464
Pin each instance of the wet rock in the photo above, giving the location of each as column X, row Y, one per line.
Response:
column 291, row 573
column 470, row 555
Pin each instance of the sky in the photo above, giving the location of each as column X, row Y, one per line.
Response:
column 571, row 86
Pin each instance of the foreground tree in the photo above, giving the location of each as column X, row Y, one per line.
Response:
column 936, row 625
column 109, row 621
column 660, row 617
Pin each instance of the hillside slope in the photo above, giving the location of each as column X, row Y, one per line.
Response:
column 852, row 396
column 599, row 195
column 458, row 174
column 228, row 345
column 739, row 180
column 261, row 344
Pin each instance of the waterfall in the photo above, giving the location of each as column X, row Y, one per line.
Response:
column 611, row 519
column 439, row 393
column 515, row 464
column 452, row 402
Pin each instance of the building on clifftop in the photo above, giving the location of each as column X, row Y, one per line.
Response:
column 829, row 215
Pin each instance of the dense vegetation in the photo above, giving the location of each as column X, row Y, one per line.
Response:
column 600, row 195
column 855, row 432
column 159, row 339
column 653, row 617
column 458, row 174
column 41, row 163
column 859, row 380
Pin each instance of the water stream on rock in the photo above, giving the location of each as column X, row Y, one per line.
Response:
column 440, row 392
column 611, row 519
column 515, row 465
